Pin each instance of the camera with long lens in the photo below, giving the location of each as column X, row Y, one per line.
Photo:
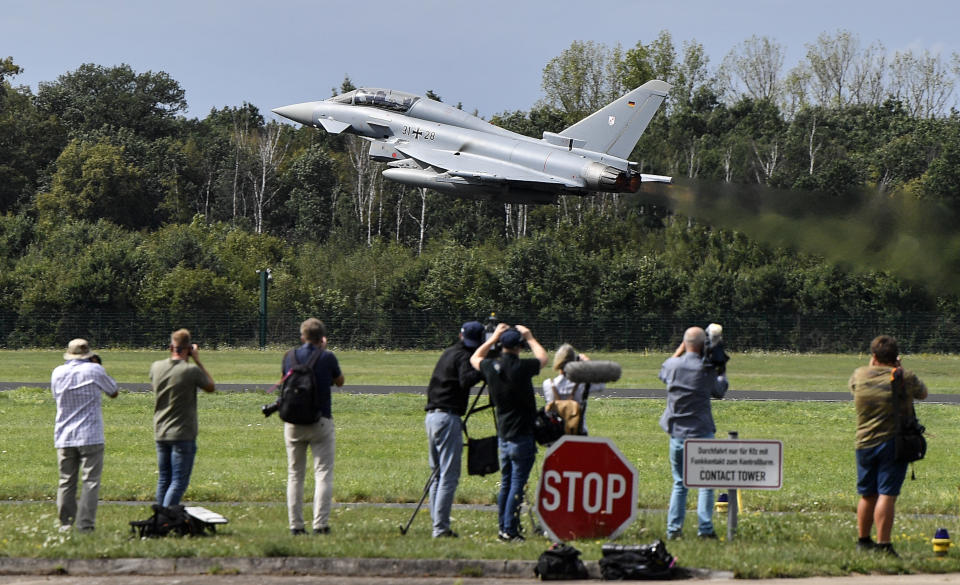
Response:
column 489, row 326
column 713, row 353
column 268, row 409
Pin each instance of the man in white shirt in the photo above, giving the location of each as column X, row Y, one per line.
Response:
column 78, row 432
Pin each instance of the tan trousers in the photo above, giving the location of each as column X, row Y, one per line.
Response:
column 320, row 438
column 85, row 464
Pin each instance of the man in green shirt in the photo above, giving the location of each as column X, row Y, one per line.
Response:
column 175, row 381
column 879, row 475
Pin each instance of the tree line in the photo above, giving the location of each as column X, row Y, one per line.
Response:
column 112, row 200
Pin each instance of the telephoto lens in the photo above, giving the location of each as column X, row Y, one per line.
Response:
column 268, row 409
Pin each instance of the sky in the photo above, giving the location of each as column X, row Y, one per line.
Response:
column 488, row 55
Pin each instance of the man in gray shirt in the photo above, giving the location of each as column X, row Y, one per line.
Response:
column 691, row 383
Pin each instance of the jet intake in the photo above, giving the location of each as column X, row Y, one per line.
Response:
column 601, row 177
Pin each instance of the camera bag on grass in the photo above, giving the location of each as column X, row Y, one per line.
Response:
column 171, row 520
column 910, row 445
column 298, row 401
column 560, row 562
column 636, row 562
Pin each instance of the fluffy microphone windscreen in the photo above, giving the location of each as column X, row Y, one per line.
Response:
column 593, row 371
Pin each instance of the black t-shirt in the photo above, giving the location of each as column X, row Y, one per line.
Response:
column 510, row 380
column 452, row 378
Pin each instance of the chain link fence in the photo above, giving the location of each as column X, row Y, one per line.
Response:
column 917, row 333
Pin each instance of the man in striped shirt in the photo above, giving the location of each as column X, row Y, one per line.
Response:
column 78, row 432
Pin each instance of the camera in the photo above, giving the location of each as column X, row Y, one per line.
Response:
column 713, row 353
column 489, row 326
column 268, row 409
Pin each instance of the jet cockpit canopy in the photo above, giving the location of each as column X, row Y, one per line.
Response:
column 385, row 99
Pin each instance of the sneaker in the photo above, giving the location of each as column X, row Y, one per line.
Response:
column 297, row 531
column 447, row 534
column 674, row 535
column 322, row 530
column 866, row 543
column 708, row 536
column 886, row 548
column 510, row 537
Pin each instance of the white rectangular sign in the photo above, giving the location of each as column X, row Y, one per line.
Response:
column 733, row 464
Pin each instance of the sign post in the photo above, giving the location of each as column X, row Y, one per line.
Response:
column 587, row 489
column 732, row 464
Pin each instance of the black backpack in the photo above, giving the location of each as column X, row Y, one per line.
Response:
column 636, row 562
column 299, row 401
column 560, row 562
column 170, row 520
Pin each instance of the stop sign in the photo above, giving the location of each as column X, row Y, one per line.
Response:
column 587, row 489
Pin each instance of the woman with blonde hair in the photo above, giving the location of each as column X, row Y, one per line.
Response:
column 567, row 395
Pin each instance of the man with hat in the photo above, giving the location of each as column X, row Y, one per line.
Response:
column 447, row 397
column 78, row 433
column 510, row 380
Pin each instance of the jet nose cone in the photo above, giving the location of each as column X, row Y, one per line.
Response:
column 302, row 113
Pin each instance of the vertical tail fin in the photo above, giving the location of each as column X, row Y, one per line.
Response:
column 616, row 128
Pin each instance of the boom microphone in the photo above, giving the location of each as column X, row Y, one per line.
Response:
column 592, row 372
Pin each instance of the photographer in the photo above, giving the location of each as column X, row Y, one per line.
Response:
column 319, row 436
column 78, row 433
column 691, row 383
column 510, row 380
column 562, row 388
column 175, row 381
column 447, row 396
column 879, row 475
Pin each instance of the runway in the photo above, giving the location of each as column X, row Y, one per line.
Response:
column 754, row 395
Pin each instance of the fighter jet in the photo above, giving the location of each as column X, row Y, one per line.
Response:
column 426, row 143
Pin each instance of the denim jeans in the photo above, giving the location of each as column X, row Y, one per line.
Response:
column 516, row 460
column 446, row 447
column 678, row 498
column 175, row 463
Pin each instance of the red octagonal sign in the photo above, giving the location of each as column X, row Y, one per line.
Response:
column 587, row 489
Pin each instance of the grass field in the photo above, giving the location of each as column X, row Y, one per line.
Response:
column 807, row 527
column 748, row 371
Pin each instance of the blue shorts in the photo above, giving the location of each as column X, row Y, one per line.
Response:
column 877, row 473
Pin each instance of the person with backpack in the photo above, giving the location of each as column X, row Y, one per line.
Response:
column 305, row 408
column 566, row 396
column 175, row 381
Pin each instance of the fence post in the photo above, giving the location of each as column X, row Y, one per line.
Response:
column 264, row 277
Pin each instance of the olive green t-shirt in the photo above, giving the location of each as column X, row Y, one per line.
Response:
column 175, row 384
column 873, row 400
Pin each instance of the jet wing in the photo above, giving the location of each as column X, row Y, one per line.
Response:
column 473, row 167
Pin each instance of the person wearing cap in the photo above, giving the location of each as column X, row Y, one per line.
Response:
column 78, row 433
column 447, row 395
column 510, row 380
column 175, row 381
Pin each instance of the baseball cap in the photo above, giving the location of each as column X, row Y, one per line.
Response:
column 472, row 332
column 511, row 338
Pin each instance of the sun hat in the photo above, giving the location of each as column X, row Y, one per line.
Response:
column 78, row 349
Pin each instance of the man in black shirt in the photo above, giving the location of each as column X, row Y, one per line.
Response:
column 447, row 397
column 510, row 380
